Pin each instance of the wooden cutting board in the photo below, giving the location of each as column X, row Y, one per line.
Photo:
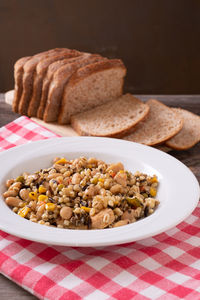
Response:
column 63, row 130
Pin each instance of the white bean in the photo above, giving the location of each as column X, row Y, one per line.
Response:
column 9, row 182
column 15, row 184
column 66, row 213
column 117, row 188
column 76, row 178
column 11, row 193
column 24, row 194
column 13, row 201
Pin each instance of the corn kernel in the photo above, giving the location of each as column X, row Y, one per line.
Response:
column 100, row 184
column 121, row 171
column 154, row 179
column 50, row 206
column 42, row 189
column 86, row 209
column 153, row 192
column 42, row 198
column 101, row 180
column 61, row 161
column 23, row 211
column 33, row 195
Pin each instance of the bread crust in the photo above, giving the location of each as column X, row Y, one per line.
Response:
column 83, row 73
column 91, row 69
column 174, row 147
column 18, row 74
column 162, row 139
column 27, row 82
column 172, row 143
column 117, row 134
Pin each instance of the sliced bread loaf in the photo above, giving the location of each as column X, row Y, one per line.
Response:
column 18, row 75
column 91, row 86
column 28, row 75
column 48, row 78
column 41, row 70
column 58, row 83
column 112, row 119
column 160, row 124
column 189, row 134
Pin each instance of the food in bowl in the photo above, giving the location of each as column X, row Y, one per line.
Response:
column 82, row 194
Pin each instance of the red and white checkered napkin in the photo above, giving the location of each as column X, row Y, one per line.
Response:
column 166, row 266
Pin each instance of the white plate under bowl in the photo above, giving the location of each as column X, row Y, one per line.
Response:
column 178, row 191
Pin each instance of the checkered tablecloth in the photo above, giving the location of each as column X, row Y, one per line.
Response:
column 165, row 267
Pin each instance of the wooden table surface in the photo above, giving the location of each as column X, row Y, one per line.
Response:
column 191, row 158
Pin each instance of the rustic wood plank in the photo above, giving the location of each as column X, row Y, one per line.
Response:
column 190, row 158
column 190, row 102
column 63, row 130
column 11, row 291
column 6, row 114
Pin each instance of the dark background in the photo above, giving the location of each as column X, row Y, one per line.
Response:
column 159, row 41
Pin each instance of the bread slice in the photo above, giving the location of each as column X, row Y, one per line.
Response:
column 58, row 83
column 160, row 124
column 112, row 119
column 48, row 78
column 91, row 86
column 41, row 70
column 189, row 134
column 18, row 75
column 28, row 75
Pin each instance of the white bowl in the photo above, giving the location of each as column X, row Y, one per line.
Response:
column 178, row 191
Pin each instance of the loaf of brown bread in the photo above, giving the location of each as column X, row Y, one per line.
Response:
column 78, row 81
column 39, row 75
column 64, row 84
column 90, row 86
